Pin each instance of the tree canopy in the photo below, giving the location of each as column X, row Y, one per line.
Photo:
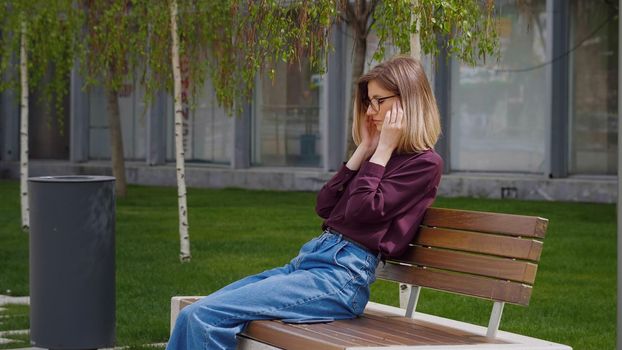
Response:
column 51, row 29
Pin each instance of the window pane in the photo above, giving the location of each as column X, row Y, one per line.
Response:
column 593, row 88
column 286, row 118
column 499, row 109
column 133, row 122
column 99, row 139
column 211, row 129
column 207, row 130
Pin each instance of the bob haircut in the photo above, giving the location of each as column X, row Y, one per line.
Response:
column 405, row 76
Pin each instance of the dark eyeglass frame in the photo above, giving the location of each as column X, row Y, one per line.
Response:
column 378, row 100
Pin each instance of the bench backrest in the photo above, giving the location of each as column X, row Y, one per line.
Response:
column 486, row 255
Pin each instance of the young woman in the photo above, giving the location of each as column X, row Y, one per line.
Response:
column 372, row 208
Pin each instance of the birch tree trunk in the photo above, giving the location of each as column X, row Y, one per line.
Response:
column 23, row 70
column 116, row 143
column 184, row 237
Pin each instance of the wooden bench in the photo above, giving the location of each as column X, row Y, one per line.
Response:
column 484, row 255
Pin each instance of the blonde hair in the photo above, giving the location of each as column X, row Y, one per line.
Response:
column 405, row 76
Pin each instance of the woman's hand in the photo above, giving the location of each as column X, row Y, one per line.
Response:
column 369, row 142
column 369, row 136
column 390, row 135
column 392, row 128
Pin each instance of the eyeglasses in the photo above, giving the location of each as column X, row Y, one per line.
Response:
column 376, row 101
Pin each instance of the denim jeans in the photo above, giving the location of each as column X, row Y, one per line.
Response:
column 328, row 280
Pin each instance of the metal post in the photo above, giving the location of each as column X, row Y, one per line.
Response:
column 413, row 299
column 495, row 319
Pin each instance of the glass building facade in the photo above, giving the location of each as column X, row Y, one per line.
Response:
column 547, row 107
column 593, row 118
column 499, row 109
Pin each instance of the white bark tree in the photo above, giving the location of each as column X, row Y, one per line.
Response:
column 23, row 132
column 184, row 236
column 42, row 33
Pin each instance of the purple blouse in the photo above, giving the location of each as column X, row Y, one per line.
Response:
column 381, row 207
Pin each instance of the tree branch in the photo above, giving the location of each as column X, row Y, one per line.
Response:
column 370, row 10
column 344, row 18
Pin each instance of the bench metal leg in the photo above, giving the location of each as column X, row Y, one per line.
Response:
column 404, row 292
column 413, row 298
column 495, row 319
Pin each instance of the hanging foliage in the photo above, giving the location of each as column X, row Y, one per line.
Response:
column 230, row 42
column 37, row 46
column 51, row 39
column 468, row 27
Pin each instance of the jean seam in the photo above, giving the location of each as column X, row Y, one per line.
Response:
column 305, row 301
column 340, row 264
column 298, row 260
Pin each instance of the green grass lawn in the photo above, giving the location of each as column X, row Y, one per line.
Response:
column 238, row 232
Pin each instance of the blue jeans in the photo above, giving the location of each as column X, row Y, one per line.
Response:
column 328, row 280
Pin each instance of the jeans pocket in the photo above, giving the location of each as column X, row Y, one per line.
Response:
column 306, row 249
column 344, row 259
column 360, row 299
column 355, row 261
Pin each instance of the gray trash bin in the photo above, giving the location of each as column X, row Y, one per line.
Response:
column 72, row 262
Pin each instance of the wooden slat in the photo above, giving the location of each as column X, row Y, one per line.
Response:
column 511, row 247
column 457, row 335
column 404, row 335
column 286, row 336
column 355, row 332
column 482, row 287
column 506, row 224
column 408, row 334
column 502, row 268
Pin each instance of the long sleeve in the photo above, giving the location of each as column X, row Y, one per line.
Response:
column 376, row 196
column 333, row 190
column 382, row 207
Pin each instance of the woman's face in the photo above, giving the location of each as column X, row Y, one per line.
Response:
column 380, row 104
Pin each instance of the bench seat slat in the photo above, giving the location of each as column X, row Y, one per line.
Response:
column 371, row 329
column 506, row 269
column 477, row 286
column 446, row 335
column 511, row 247
column 352, row 331
column 392, row 319
column 287, row 336
column 507, row 224
column 409, row 334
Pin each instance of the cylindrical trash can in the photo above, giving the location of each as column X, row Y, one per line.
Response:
column 72, row 262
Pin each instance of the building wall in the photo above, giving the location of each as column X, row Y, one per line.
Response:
column 539, row 123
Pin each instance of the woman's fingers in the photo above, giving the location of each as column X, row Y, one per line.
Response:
column 400, row 115
column 394, row 116
column 387, row 118
column 394, row 113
